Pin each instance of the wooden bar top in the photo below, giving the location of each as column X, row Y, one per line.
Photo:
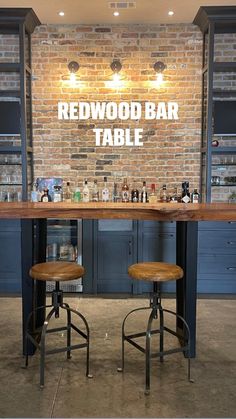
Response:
column 135, row 211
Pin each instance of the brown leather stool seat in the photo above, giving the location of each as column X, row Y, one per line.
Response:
column 157, row 273
column 56, row 271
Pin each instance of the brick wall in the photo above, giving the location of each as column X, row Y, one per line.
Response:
column 170, row 152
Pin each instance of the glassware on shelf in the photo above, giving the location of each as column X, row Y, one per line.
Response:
column 215, row 180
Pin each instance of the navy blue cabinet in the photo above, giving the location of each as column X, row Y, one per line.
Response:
column 216, row 257
column 10, row 256
column 115, row 248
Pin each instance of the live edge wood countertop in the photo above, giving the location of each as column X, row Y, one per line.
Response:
column 137, row 211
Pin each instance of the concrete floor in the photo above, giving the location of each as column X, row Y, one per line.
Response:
column 68, row 393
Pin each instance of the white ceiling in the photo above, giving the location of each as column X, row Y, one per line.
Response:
column 98, row 12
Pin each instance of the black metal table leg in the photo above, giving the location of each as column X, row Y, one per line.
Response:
column 33, row 248
column 186, row 288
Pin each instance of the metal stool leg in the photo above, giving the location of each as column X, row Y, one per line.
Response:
column 120, row 369
column 68, row 330
column 161, row 333
column 42, row 346
column 148, row 350
column 188, row 340
column 86, row 336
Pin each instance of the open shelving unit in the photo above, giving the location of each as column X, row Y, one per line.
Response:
column 215, row 21
column 18, row 23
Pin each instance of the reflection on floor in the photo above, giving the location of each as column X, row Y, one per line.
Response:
column 68, row 393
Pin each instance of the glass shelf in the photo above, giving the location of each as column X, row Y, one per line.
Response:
column 10, row 164
column 224, row 185
column 223, row 164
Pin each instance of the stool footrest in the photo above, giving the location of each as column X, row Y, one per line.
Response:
column 57, row 329
column 66, row 348
column 139, row 335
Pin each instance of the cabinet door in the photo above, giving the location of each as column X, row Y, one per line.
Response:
column 115, row 251
column 115, row 254
column 10, row 256
column 217, row 257
column 157, row 243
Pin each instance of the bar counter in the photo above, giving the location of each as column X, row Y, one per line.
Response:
column 137, row 211
column 185, row 215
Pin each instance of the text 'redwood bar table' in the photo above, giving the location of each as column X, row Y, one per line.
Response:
column 185, row 215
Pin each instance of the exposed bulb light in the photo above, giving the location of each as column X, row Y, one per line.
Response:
column 116, row 14
column 116, row 78
column 61, row 13
column 159, row 79
column 159, row 67
column 72, row 78
column 170, row 13
column 73, row 67
column 116, row 67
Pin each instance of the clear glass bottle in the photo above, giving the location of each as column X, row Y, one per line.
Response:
column 115, row 193
column 135, row 193
column 185, row 193
column 152, row 196
column 105, row 191
column 163, row 193
column 57, row 194
column 125, row 191
column 144, row 194
column 174, row 195
column 95, row 191
column 67, row 193
column 85, row 191
column 34, row 193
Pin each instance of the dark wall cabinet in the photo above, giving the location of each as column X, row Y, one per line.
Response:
column 10, row 256
column 217, row 257
column 115, row 248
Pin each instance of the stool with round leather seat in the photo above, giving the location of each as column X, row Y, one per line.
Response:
column 157, row 273
column 56, row 271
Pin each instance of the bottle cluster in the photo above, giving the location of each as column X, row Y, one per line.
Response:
column 118, row 193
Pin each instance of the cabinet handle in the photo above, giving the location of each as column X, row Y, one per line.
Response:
column 165, row 235
column 231, row 268
column 130, row 247
column 231, row 242
column 231, row 222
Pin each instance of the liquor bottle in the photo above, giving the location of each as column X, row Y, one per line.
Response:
column 152, row 196
column 57, row 194
column 77, row 195
column 174, row 196
column 195, row 197
column 185, row 193
column 115, row 193
column 85, row 191
column 163, row 193
column 46, row 197
column 34, row 193
column 105, row 191
column 67, row 194
column 135, row 194
column 95, row 191
column 125, row 191
column 144, row 194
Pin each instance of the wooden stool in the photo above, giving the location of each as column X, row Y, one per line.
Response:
column 156, row 272
column 55, row 271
